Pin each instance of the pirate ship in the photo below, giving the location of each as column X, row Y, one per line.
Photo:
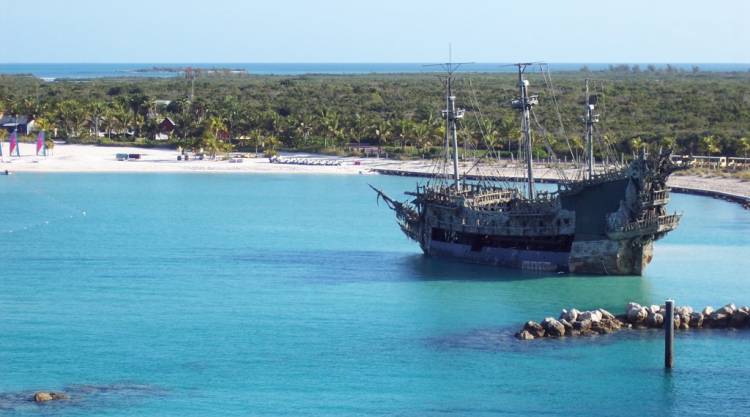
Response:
column 604, row 221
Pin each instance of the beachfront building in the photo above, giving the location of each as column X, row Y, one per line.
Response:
column 22, row 124
column 96, row 126
column 166, row 128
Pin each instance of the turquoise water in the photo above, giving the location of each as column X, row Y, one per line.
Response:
column 243, row 295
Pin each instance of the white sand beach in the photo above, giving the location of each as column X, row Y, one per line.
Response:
column 92, row 159
column 89, row 158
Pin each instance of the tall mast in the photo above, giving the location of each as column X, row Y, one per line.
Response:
column 451, row 114
column 524, row 104
column 590, row 119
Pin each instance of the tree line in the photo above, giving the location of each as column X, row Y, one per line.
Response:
column 689, row 112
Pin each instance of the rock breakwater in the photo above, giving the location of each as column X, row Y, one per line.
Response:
column 575, row 322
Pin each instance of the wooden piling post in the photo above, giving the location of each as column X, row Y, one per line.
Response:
column 669, row 334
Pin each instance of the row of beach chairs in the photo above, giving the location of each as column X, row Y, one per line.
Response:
column 303, row 161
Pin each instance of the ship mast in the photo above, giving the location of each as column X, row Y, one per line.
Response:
column 451, row 114
column 524, row 104
column 590, row 119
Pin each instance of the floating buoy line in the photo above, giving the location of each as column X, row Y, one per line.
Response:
column 63, row 211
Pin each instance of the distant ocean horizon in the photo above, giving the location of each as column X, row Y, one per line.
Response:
column 52, row 71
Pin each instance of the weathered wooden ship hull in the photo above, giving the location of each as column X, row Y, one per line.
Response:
column 603, row 257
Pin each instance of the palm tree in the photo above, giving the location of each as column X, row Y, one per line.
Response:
column 383, row 130
column 710, row 145
column 256, row 139
column 96, row 112
column 404, row 127
column 668, row 142
column 140, row 105
column 421, row 131
column 331, row 122
column 43, row 124
column 232, row 114
column 70, row 115
column 437, row 134
column 109, row 120
column 216, row 125
column 743, row 146
column 637, row 144
column 307, row 123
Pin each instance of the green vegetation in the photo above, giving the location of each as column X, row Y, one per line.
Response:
column 696, row 112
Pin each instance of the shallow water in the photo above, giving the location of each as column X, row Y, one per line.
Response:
column 297, row 295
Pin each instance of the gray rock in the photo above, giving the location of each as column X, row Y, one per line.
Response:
column 708, row 311
column 568, row 326
column 683, row 311
column 739, row 318
column 553, row 327
column 606, row 314
column 572, row 315
column 593, row 316
column 606, row 326
column 582, row 325
column 727, row 309
column 655, row 320
column 524, row 335
column 696, row 320
column 632, row 306
column 654, row 309
column 719, row 320
column 534, row 328
column 637, row 315
column 44, row 396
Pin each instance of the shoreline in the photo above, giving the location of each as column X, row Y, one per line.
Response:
column 101, row 159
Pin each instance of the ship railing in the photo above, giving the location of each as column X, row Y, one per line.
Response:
column 480, row 227
column 670, row 221
column 491, row 197
column 657, row 197
column 406, row 221
column 525, row 208
column 452, row 197
column 535, row 207
column 598, row 178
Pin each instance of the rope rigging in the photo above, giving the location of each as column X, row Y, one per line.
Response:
column 482, row 157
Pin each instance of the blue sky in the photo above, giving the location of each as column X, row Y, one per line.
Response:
column 375, row 31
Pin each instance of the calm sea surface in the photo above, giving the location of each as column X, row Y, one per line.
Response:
column 79, row 70
column 289, row 295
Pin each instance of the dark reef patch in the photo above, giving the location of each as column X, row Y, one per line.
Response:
column 86, row 396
